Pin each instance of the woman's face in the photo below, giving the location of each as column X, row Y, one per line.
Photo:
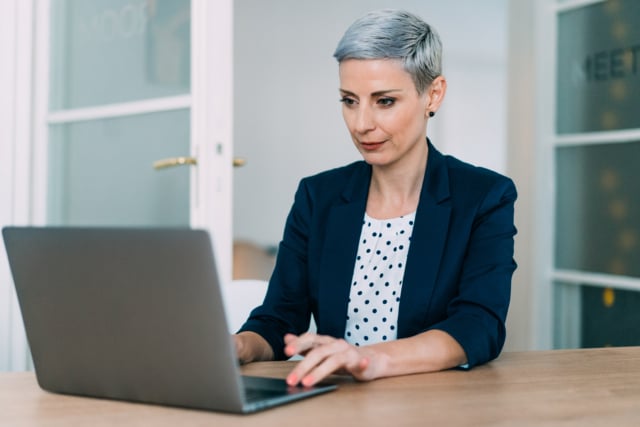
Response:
column 385, row 114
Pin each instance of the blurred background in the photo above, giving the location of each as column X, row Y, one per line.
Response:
column 207, row 113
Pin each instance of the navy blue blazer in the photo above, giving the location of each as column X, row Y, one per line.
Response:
column 459, row 265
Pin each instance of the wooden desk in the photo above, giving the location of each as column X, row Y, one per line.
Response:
column 599, row 387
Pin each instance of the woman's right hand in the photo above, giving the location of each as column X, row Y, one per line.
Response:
column 251, row 347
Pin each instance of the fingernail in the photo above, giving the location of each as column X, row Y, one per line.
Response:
column 289, row 350
column 292, row 379
column 307, row 381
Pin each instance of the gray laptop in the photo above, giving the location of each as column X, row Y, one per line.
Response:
column 133, row 314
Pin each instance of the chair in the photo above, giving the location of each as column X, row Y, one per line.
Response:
column 240, row 297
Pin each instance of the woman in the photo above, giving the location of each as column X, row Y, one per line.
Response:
column 405, row 258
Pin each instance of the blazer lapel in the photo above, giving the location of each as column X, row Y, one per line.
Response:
column 342, row 235
column 427, row 245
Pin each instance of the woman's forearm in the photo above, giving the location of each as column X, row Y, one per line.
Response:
column 430, row 351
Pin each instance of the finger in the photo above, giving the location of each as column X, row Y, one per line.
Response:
column 355, row 366
column 333, row 355
column 289, row 349
column 360, row 367
column 310, row 360
column 303, row 343
column 319, row 372
column 293, row 344
column 350, row 361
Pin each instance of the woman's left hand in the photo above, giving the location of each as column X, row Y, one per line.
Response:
column 325, row 355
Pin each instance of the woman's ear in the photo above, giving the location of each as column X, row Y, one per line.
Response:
column 436, row 92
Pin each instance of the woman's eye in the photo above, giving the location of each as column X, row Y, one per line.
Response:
column 347, row 101
column 387, row 102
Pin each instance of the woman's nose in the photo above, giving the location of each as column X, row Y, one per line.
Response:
column 364, row 120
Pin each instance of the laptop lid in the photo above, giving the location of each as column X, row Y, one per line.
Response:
column 130, row 314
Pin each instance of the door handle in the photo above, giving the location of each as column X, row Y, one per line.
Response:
column 174, row 161
column 181, row 161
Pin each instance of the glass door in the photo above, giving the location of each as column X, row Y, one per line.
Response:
column 119, row 101
column 129, row 134
column 596, row 276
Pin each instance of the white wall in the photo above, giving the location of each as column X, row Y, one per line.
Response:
column 530, row 163
column 287, row 116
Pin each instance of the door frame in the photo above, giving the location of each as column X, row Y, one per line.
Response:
column 16, row 39
column 212, row 125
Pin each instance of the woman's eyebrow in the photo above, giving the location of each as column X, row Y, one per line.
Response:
column 377, row 93
column 385, row 92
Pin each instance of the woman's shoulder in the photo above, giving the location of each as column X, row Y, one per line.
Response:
column 471, row 184
column 461, row 172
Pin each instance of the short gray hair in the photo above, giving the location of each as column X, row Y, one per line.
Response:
column 395, row 34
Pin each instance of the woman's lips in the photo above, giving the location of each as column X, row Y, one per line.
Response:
column 370, row 146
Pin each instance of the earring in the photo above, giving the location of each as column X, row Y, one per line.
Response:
column 432, row 113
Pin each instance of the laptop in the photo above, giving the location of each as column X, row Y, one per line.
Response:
column 133, row 314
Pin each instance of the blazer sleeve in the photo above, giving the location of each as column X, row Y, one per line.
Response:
column 286, row 307
column 476, row 315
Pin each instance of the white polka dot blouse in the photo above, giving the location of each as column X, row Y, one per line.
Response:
column 377, row 280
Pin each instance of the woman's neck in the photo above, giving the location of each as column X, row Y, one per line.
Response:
column 395, row 189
